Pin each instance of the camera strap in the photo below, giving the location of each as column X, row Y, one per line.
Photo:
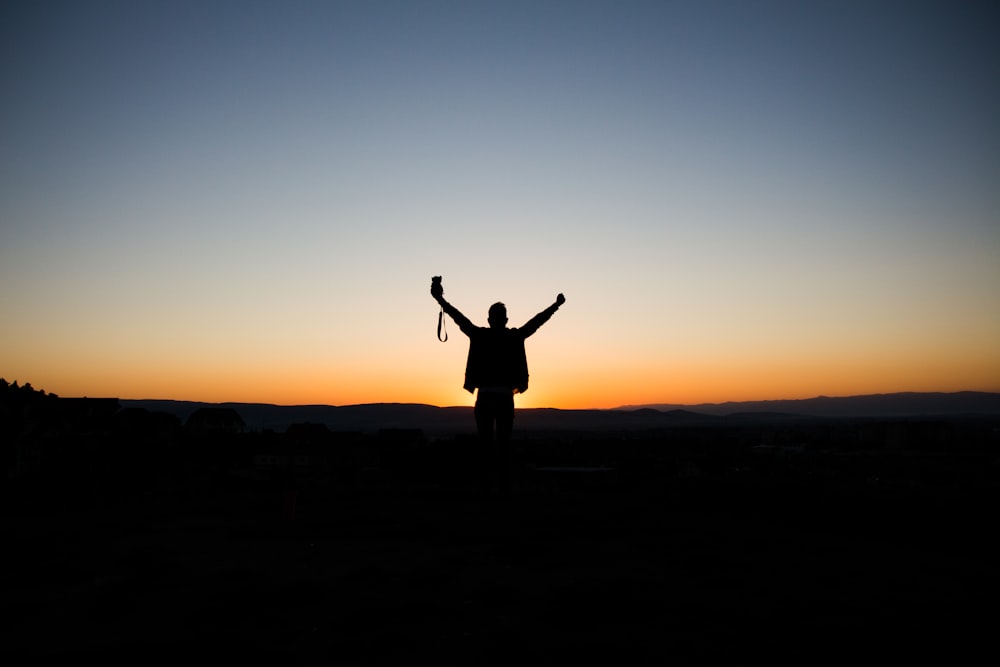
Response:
column 441, row 327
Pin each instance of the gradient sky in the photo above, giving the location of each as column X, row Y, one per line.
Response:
column 245, row 201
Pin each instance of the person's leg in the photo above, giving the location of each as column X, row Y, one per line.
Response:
column 485, row 417
column 504, row 415
column 505, row 425
column 485, row 412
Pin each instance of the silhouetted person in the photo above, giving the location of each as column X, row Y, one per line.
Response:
column 498, row 367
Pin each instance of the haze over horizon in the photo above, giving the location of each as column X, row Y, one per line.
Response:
column 903, row 396
column 245, row 202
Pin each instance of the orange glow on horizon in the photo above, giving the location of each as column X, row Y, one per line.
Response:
column 565, row 390
column 561, row 375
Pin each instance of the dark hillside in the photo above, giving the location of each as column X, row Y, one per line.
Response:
column 676, row 537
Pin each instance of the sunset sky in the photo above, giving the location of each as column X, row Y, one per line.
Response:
column 245, row 201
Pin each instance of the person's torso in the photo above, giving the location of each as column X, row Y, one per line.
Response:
column 498, row 357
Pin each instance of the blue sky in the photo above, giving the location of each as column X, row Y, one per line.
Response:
column 245, row 201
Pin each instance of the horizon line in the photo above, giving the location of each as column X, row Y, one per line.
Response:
column 627, row 406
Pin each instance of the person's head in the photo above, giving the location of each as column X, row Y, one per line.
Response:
column 498, row 316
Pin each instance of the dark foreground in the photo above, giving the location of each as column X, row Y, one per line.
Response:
column 575, row 564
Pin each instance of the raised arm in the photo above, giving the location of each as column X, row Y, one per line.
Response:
column 531, row 326
column 461, row 320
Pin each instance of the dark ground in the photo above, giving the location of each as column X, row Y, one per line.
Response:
column 576, row 564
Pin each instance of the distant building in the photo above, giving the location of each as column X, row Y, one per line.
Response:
column 919, row 435
column 302, row 446
column 139, row 422
column 88, row 415
column 308, row 453
column 400, row 437
column 214, row 421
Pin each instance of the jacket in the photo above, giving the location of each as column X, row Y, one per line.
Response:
column 496, row 356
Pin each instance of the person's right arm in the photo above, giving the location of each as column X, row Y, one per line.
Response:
column 461, row 320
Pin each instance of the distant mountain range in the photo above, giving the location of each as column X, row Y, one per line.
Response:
column 871, row 405
column 435, row 420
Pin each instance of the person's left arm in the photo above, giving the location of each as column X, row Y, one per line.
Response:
column 531, row 326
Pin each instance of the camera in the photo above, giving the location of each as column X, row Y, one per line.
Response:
column 436, row 288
